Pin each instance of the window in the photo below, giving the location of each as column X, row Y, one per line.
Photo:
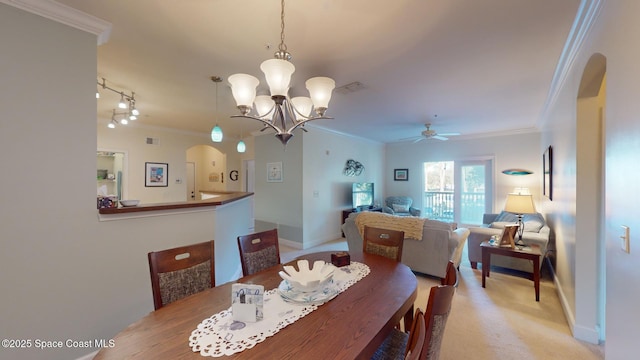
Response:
column 458, row 191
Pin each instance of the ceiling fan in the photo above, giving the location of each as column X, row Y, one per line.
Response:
column 429, row 134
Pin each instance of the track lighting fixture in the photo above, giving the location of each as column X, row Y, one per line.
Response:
column 120, row 118
column 126, row 101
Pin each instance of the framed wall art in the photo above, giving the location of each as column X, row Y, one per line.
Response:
column 547, row 173
column 401, row 174
column 274, row 172
column 156, row 174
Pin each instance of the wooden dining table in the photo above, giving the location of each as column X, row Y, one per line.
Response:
column 350, row 326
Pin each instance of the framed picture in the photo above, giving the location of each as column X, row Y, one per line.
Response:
column 547, row 171
column 274, row 172
column 508, row 236
column 401, row 174
column 156, row 174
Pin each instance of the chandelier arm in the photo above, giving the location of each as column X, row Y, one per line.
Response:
column 267, row 123
column 300, row 123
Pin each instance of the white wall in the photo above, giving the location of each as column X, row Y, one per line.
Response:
column 312, row 162
column 64, row 274
column 326, row 190
column 615, row 36
column 512, row 151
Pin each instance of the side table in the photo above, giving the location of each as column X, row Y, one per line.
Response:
column 532, row 252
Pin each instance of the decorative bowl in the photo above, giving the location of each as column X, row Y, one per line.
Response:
column 307, row 279
column 127, row 203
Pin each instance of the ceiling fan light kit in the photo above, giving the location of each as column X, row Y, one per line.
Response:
column 278, row 111
column 429, row 134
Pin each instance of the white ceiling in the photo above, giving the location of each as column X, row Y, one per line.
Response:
column 481, row 66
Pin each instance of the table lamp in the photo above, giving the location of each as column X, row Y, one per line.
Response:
column 520, row 204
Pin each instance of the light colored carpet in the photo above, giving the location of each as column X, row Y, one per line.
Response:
column 501, row 321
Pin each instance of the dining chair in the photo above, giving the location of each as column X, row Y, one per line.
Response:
column 182, row 271
column 436, row 315
column 259, row 251
column 451, row 275
column 402, row 345
column 383, row 242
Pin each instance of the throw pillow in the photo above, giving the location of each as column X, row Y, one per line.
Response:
column 506, row 216
column 501, row 224
column 400, row 208
column 533, row 222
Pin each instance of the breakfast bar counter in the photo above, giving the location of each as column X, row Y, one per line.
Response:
column 221, row 199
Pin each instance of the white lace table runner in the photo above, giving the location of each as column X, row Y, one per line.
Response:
column 219, row 335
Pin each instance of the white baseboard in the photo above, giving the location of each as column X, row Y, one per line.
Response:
column 292, row 244
column 309, row 244
column 579, row 332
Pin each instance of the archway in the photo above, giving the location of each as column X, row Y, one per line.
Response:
column 208, row 166
column 590, row 245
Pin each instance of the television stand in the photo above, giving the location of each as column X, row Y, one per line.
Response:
column 345, row 213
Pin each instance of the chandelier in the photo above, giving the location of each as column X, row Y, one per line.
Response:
column 278, row 111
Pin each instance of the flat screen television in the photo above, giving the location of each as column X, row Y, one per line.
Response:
column 362, row 195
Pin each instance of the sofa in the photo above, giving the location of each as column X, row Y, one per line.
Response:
column 440, row 241
column 535, row 231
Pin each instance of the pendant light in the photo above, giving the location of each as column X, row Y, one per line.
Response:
column 216, row 132
column 241, row 147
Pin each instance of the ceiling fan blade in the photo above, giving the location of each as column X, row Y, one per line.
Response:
column 439, row 137
column 450, row 134
column 418, row 140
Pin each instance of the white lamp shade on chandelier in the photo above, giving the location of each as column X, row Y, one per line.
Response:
column 278, row 74
column 243, row 88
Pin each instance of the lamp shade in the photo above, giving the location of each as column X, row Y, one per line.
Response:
column 302, row 107
column 320, row 89
column 216, row 134
column 264, row 105
column 278, row 74
column 243, row 88
column 520, row 204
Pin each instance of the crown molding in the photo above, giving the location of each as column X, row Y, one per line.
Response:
column 585, row 18
column 64, row 14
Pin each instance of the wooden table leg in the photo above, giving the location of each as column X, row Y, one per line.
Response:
column 408, row 319
column 536, row 276
column 486, row 264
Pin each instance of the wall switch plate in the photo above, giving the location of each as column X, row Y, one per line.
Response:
column 625, row 239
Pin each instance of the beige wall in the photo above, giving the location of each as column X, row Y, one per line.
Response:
column 172, row 148
column 210, row 166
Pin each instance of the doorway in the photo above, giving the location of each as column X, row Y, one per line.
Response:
column 191, row 181
column 590, row 198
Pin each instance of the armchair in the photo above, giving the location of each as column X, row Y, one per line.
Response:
column 400, row 206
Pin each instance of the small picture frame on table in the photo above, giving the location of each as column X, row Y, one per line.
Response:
column 508, row 236
column 400, row 174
